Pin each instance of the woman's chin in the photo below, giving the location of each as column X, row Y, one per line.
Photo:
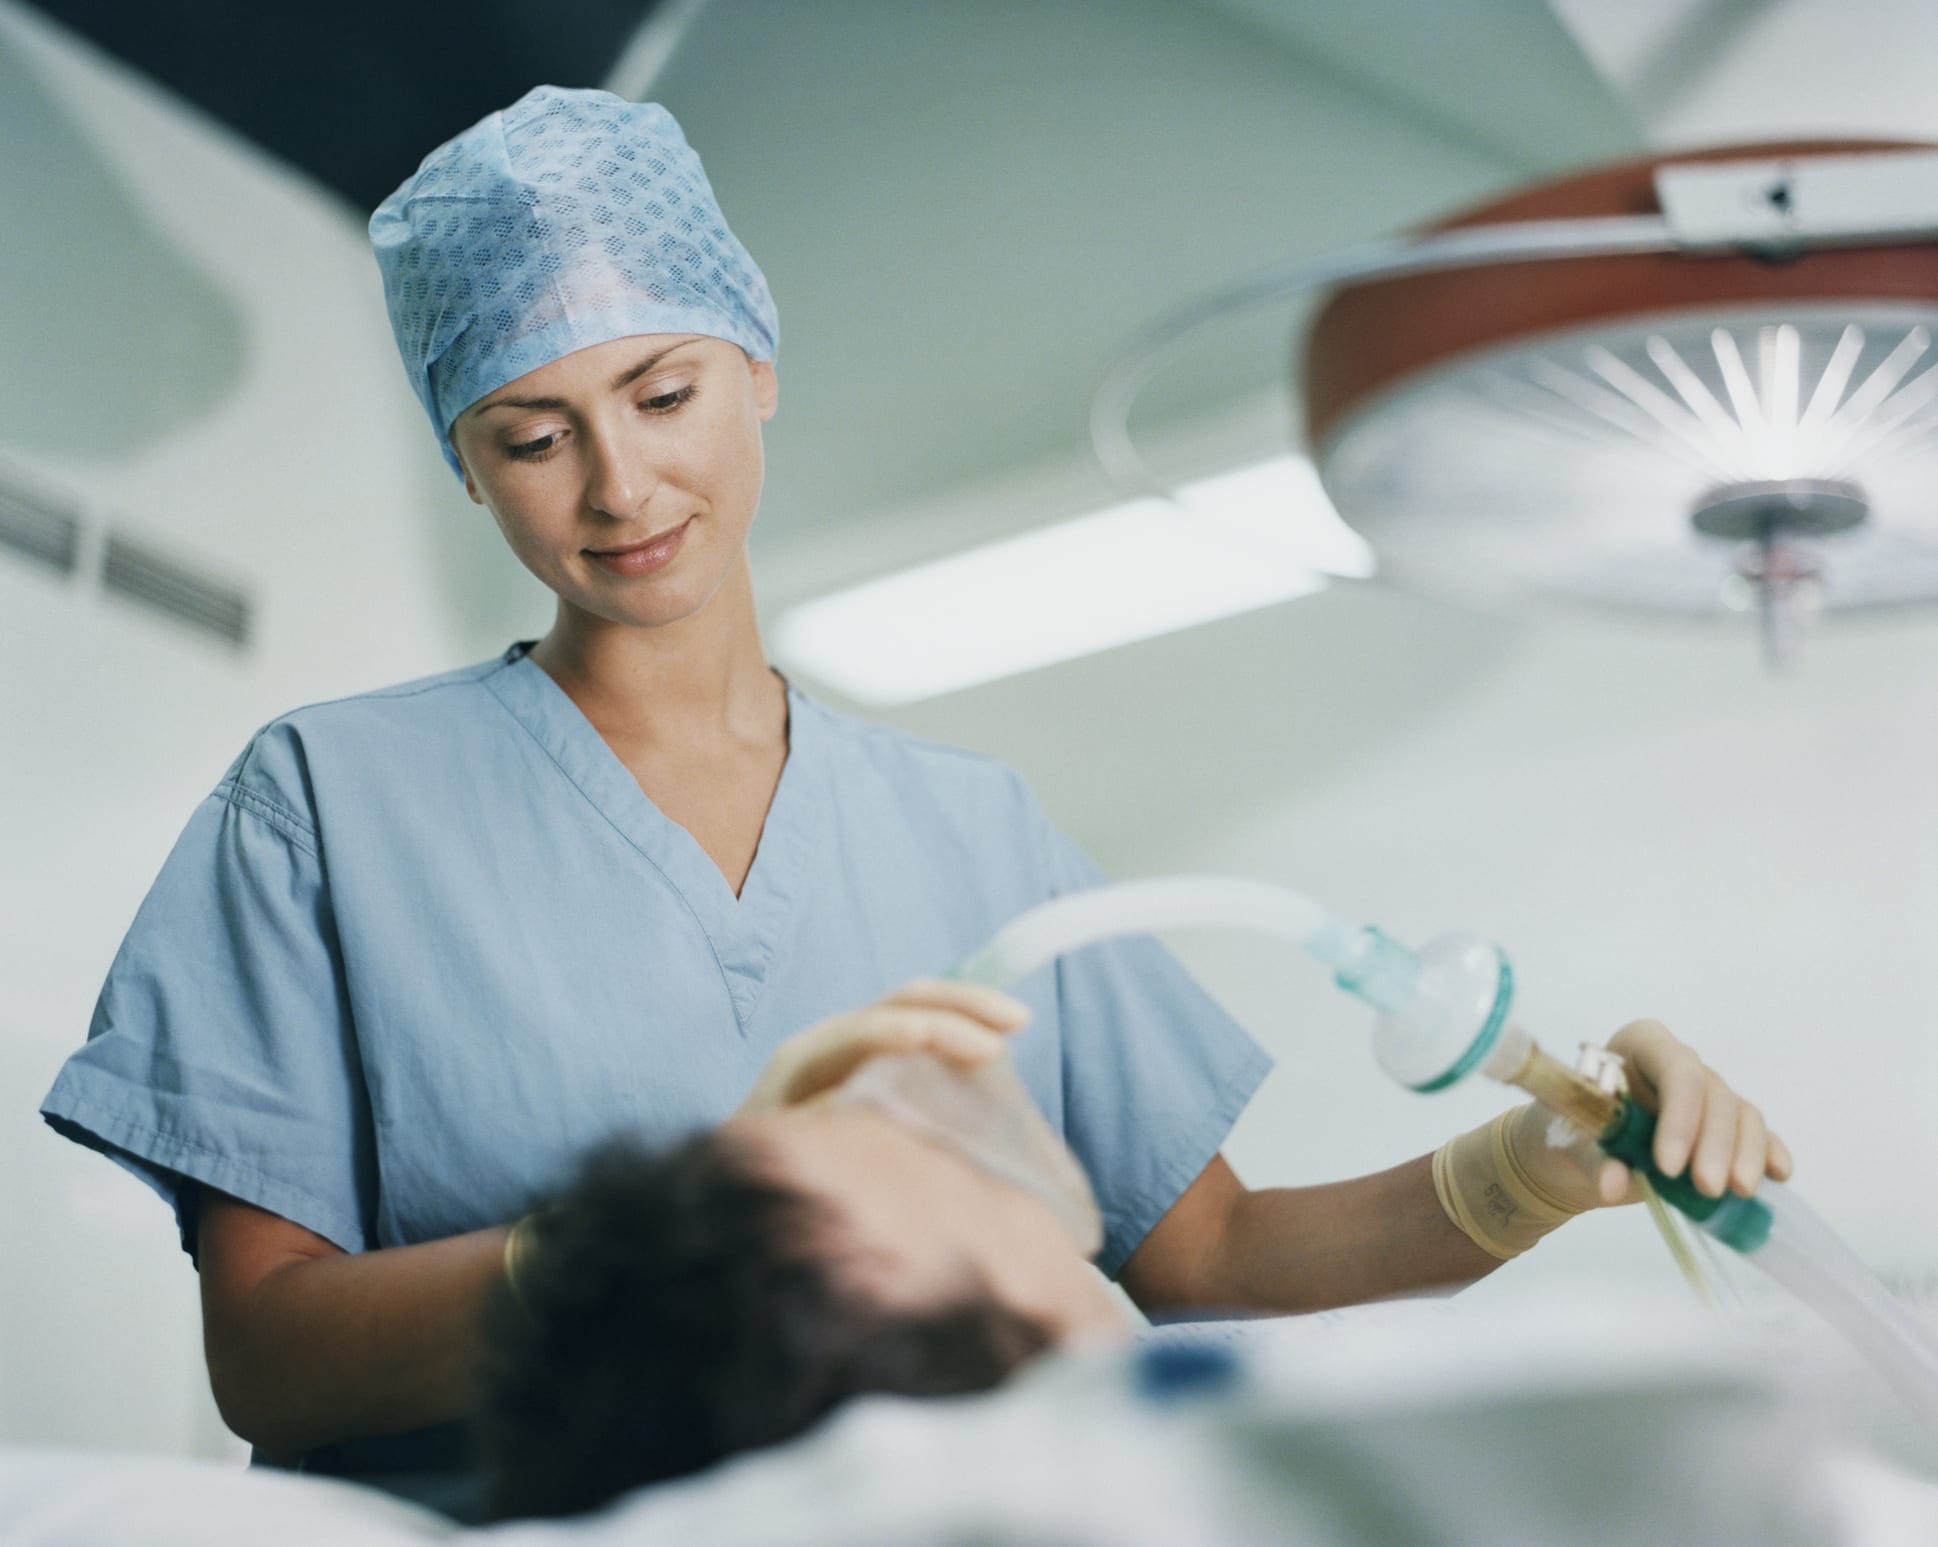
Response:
column 667, row 606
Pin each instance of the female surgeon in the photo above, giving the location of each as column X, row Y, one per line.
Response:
column 421, row 947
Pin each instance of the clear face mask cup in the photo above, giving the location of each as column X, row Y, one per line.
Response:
column 986, row 1116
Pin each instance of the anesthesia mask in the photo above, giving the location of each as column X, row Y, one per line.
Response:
column 986, row 1116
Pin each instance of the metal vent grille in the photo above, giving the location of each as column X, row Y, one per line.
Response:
column 156, row 581
column 51, row 531
column 39, row 530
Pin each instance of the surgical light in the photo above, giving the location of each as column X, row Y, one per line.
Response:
column 1685, row 385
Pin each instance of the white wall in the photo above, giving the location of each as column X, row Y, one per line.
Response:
column 196, row 349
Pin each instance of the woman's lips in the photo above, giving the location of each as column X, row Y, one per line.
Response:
column 643, row 558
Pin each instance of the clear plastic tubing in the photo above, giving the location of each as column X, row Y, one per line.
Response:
column 1441, row 1010
column 1038, row 937
column 1812, row 1261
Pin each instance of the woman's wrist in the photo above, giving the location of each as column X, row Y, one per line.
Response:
column 1487, row 1187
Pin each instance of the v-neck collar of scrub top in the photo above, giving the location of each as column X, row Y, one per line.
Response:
column 745, row 930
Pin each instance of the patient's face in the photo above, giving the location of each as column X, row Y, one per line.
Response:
column 918, row 1225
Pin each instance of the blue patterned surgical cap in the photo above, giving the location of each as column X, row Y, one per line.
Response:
column 569, row 219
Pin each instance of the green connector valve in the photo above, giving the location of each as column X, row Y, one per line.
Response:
column 1743, row 1223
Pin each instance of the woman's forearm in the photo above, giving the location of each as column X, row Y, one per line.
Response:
column 323, row 1348
column 1295, row 1249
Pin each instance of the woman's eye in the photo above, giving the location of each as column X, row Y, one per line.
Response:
column 525, row 451
column 666, row 402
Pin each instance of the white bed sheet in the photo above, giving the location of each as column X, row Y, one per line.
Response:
column 1562, row 1418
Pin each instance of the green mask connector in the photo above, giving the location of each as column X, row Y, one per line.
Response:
column 1736, row 1221
column 1369, row 963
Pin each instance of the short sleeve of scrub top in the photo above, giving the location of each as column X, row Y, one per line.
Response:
column 223, row 1050
column 1154, row 1072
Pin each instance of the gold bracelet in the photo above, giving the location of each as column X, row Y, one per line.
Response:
column 516, row 1250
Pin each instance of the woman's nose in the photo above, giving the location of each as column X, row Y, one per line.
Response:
column 620, row 476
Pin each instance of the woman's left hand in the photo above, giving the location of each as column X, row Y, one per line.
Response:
column 1701, row 1124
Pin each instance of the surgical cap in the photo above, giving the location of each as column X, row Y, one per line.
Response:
column 569, row 219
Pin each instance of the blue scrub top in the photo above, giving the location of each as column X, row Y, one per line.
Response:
column 422, row 947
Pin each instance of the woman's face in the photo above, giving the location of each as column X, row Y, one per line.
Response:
column 625, row 475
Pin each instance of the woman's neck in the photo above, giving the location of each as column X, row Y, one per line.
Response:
column 705, row 677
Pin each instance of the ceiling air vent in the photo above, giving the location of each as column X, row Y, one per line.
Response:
column 153, row 580
column 37, row 529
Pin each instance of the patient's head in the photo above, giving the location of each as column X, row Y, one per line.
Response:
column 911, row 1222
column 678, row 1308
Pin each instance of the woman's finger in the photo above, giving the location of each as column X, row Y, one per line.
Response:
column 952, row 1036
column 1644, row 1045
column 1780, row 1165
column 1680, row 1087
column 1752, row 1149
column 893, row 1028
column 1715, row 1145
column 963, row 1023
column 991, row 1006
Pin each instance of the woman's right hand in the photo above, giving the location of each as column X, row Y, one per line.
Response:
column 964, row 1023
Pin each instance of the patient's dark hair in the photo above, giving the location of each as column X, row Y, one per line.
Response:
column 676, row 1308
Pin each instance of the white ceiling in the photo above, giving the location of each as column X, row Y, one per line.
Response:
column 963, row 206
column 1699, row 72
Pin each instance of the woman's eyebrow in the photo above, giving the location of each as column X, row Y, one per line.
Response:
column 627, row 377
column 624, row 378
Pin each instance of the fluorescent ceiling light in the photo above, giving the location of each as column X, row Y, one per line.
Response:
column 1241, row 540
